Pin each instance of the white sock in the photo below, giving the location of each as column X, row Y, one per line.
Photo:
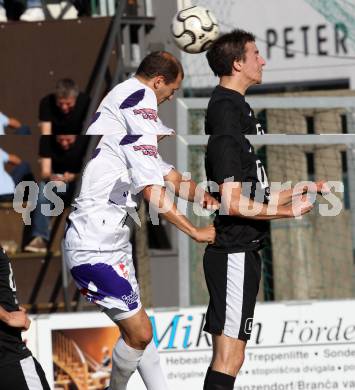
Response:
column 125, row 360
column 150, row 370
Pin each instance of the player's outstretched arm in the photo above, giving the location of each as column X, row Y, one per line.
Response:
column 189, row 190
column 158, row 198
column 285, row 197
column 233, row 202
column 16, row 319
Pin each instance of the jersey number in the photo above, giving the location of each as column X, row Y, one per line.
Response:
column 11, row 279
column 259, row 129
column 261, row 174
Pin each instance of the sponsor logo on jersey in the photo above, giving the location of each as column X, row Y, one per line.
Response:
column 130, row 299
column 147, row 150
column 147, row 113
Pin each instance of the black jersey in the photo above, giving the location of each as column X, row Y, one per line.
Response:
column 12, row 348
column 231, row 157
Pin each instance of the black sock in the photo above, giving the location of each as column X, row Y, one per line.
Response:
column 218, row 381
column 206, row 377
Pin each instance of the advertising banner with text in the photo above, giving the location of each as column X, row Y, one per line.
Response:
column 293, row 346
column 303, row 40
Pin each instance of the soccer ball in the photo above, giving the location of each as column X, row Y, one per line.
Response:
column 194, row 29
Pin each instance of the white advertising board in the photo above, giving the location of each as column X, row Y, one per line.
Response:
column 303, row 40
column 301, row 345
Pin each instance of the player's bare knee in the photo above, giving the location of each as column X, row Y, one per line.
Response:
column 145, row 338
column 229, row 362
column 141, row 339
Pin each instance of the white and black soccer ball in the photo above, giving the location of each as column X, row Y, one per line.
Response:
column 194, row 29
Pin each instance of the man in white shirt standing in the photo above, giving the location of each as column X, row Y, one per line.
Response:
column 125, row 166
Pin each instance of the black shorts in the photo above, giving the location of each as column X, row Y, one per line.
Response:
column 233, row 284
column 24, row 374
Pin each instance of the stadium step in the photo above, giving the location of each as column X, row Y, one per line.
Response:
column 11, row 227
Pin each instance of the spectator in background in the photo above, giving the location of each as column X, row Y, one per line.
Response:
column 83, row 7
column 61, row 159
column 8, row 181
column 14, row 123
column 64, row 111
column 3, row 17
column 33, row 13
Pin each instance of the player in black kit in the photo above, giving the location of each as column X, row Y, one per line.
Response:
column 19, row 370
column 232, row 265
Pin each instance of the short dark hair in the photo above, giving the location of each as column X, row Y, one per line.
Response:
column 226, row 49
column 160, row 63
column 66, row 88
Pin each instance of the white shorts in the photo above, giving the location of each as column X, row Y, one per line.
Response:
column 107, row 279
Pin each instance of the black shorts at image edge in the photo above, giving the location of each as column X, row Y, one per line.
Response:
column 13, row 376
column 233, row 284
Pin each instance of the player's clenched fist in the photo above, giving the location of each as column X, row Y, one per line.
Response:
column 205, row 234
column 18, row 319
